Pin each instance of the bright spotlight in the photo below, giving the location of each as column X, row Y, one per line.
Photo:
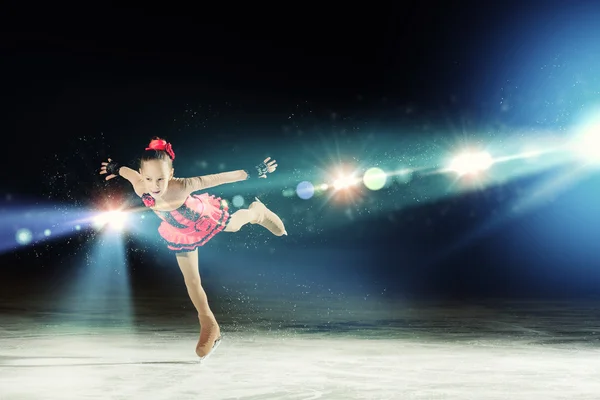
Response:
column 471, row 163
column 343, row 182
column 588, row 145
column 114, row 219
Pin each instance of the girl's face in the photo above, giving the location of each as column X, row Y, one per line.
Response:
column 156, row 175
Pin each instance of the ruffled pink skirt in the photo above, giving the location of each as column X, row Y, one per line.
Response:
column 193, row 224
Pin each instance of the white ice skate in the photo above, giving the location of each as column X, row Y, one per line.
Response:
column 215, row 345
column 267, row 218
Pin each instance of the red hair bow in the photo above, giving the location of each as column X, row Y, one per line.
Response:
column 160, row 144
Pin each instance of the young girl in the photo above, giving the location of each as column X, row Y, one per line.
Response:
column 191, row 220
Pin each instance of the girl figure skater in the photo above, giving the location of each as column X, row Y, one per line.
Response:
column 191, row 220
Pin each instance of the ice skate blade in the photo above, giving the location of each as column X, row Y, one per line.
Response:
column 217, row 343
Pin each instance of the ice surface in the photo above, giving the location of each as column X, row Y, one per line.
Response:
column 548, row 352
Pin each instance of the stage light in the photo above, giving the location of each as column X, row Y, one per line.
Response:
column 114, row 219
column 344, row 182
column 471, row 163
column 587, row 145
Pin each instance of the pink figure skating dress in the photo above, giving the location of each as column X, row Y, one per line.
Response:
column 198, row 218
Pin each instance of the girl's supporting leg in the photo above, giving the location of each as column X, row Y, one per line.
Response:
column 209, row 328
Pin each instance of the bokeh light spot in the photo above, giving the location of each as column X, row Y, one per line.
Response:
column 375, row 178
column 23, row 236
column 305, row 190
column 238, row 201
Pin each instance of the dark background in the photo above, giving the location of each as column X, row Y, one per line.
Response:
column 234, row 85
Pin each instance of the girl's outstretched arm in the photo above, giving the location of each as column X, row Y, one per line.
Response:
column 131, row 175
column 207, row 181
column 113, row 170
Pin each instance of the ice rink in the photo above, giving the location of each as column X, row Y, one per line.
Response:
column 509, row 351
